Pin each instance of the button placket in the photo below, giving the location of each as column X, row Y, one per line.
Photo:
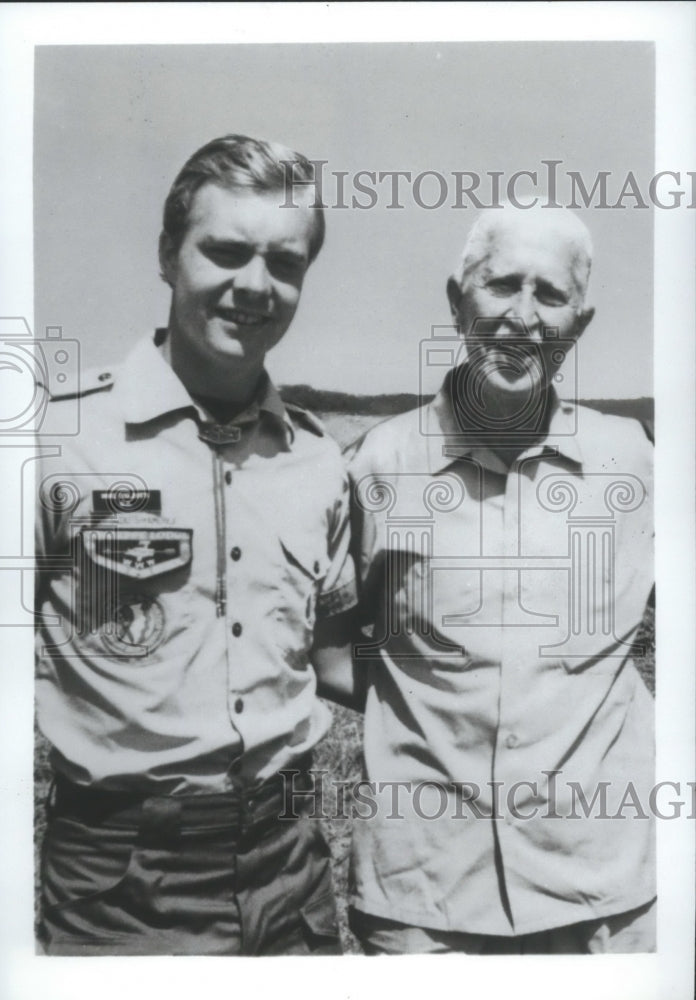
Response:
column 233, row 554
column 509, row 672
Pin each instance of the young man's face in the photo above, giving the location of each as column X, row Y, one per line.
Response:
column 236, row 278
column 527, row 275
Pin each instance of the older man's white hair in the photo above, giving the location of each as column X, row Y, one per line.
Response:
column 559, row 223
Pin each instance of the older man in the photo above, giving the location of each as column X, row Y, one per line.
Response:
column 193, row 556
column 504, row 548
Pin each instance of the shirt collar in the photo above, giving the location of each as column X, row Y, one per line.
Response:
column 445, row 441
column 148, row 388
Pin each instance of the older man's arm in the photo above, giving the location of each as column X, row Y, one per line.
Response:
column 339, row 677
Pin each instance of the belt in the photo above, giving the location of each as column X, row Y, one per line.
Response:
column 245, row 808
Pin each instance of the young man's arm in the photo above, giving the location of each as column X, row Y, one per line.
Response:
column 339, row 677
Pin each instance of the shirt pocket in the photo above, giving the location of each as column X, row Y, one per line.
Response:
column 430, row 593
column 303, row 567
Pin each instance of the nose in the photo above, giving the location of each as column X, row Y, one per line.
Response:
column 526, row 308
column 253, row 280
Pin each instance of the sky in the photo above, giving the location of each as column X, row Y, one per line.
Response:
column 113, row 125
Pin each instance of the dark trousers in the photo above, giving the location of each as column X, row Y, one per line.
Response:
column 184, row 875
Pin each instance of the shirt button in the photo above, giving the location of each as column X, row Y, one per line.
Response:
column 236, row 629
column 239, row 705
column 316, row 566
column 511, row 741
column 228, row 477
column 236, row 553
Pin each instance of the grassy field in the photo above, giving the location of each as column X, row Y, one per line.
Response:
column 340, row 752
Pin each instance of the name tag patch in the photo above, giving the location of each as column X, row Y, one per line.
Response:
column 139, row 553
column 126, row 500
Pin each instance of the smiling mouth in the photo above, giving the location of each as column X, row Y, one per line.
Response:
column 241, row 317
column 512, row 361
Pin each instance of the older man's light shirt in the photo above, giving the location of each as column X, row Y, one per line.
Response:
column 505, row 606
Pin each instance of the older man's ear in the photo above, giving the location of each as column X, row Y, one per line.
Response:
column 582, row 322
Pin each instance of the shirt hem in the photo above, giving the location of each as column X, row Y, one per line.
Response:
column 435, row 923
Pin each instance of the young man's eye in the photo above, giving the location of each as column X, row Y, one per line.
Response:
column 228, row 255
column 286, row 268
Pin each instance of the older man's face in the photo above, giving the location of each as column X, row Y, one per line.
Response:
column 517, row 304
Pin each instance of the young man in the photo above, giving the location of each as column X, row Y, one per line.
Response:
column 193, row 551
column 504, row 549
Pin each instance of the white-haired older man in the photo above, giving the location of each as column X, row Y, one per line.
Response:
column 503, row 537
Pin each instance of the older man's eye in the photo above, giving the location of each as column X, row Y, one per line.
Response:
column 550, row 296
column 503, row 286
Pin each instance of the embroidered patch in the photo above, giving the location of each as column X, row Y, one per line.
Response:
column 139, row 553
column 137, row 627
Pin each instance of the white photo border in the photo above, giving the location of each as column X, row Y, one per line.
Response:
column 672, row 27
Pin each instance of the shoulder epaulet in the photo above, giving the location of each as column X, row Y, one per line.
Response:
column 306, row 418
column 95, row 380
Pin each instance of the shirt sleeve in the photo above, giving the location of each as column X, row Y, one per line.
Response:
column 368, row 554
column 338, row 591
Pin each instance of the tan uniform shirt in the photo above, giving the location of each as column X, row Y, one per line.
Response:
column 505, row 605
column 184, row 567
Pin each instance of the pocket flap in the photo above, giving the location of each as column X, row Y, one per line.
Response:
column 304, row 552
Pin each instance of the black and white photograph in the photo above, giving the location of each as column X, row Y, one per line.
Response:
column 348, row 451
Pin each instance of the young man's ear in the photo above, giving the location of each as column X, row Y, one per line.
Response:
column 167, row 259
column 454, row 295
